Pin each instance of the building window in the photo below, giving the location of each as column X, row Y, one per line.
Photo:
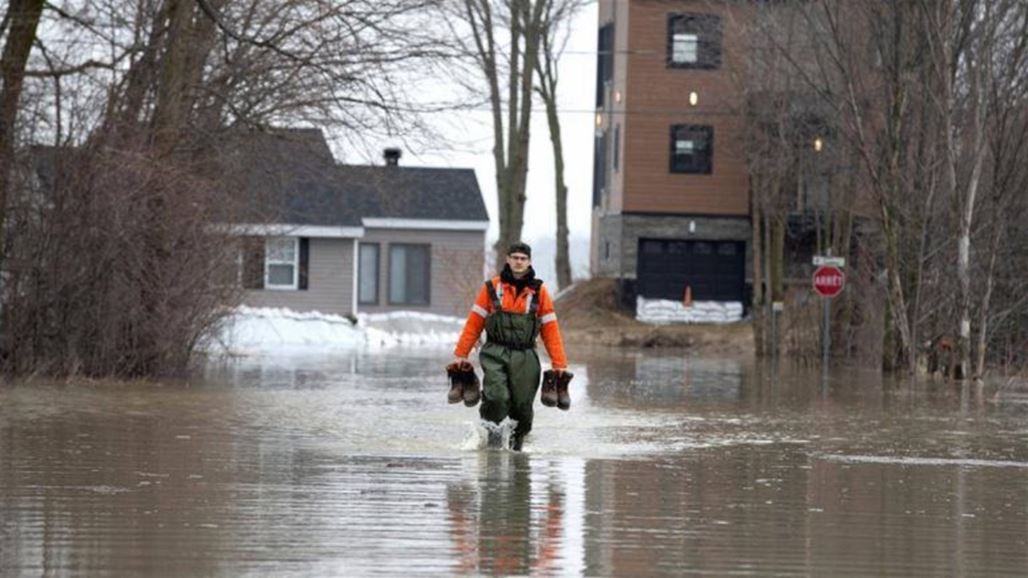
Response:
column 604, row 62
column 367, row 274
column 685, row 48
column 694, row 41
column 408, row 274
column 617, row 147
column 599, row 167
column 281, row 263
column 692, row 149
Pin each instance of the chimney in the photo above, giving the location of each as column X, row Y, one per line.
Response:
column 392, row 156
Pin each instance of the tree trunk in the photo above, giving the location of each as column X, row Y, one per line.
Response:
column 23, row 21
column 964, row 235
column 563, row 262
column 547, row 73
column 756, row 242
column 125, row 110
column 983, row 311
column 842, row 241
column 777, row 258
column 771, row 344
column 897, row 301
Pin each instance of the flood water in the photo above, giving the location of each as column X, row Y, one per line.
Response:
column 352, row 464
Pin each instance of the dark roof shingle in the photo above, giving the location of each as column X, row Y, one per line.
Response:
column 294, row 171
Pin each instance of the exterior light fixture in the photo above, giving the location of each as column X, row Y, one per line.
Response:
column 818, row 144
column 694, row 98
column 599, row 120
column 617, row 96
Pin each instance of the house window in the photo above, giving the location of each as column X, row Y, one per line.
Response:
column 694, row 41
column 692, row 149
column 408, row 274
column 281, row 263
column 368, row 274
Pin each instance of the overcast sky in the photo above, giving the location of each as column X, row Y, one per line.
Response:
column 471, row 145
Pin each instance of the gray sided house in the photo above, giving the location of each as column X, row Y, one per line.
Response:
column 345, row 239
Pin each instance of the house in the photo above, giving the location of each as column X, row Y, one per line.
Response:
column 347, row 239
column 671, row 208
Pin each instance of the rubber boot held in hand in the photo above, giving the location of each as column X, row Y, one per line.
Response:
column 464, row 383
column 456, row 392
column 549, row 390
column 472, row 388
column 563, row 397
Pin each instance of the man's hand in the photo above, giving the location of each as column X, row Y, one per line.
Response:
column 460, row 363
column 558, row 370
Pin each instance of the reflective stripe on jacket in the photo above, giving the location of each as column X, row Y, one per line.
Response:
column 514, row 303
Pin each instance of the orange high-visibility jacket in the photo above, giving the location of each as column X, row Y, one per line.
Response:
column 514, row 303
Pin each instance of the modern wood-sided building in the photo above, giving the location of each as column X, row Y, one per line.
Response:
column 345, row 239
column 671, row 199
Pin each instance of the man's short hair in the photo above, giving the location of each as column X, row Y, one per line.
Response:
column 520, row 247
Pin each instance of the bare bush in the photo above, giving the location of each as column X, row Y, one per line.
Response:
column 104, row 276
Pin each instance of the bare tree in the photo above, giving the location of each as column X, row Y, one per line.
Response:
column 20, row 22
column 554, row 39
column 913, row 92
column 503, row 38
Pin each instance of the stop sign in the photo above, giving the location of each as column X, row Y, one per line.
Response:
column 828, row 281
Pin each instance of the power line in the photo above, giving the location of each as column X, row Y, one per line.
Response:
column 634, row 112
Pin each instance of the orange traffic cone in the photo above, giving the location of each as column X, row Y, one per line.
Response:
column 687, row 298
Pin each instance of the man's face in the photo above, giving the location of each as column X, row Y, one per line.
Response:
column 518, row 262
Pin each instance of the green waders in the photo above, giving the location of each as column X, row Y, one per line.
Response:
column 511, row 365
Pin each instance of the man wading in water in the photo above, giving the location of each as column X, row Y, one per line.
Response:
column 513, row 308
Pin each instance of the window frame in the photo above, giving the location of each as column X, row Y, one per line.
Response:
column 360, row 272
column 295, row 263
column 694, row 168
column 428, row 275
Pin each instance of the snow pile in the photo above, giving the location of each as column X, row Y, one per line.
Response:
column 663, row 311
column 270, row 329
column 410, row 328
column 253, row 330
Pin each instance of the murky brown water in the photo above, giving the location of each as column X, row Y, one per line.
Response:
column 353, row 465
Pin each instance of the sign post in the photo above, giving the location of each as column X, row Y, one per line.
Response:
column 829, row 281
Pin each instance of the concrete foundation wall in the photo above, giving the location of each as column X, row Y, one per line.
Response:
column 621, row 233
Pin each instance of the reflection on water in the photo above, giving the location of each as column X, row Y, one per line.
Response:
column 667, row 464
column 507, row 521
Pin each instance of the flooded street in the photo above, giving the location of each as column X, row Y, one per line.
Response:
column 353, row 464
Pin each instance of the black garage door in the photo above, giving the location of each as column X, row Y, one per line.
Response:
column 716, row 270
